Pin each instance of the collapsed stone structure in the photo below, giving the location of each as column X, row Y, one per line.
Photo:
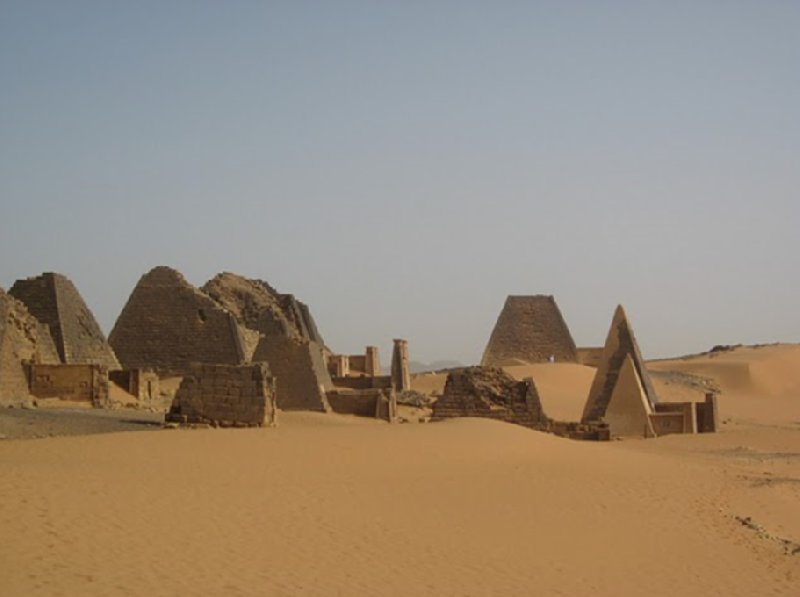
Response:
column 225, row 396
column 622, row 395
column 529, row 329
column 23, row 339
column 169, row 325
column 53, row 299
column 491, row 393
column 287, row 338
column 380, row 403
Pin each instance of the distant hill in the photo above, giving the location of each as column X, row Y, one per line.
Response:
column 418, row 367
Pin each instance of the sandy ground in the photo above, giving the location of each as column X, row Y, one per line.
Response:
column 327, row 505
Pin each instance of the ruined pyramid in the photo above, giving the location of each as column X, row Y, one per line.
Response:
column 620, row 343
column 286, row 338
column 530, row 329
column 53, row 299
column 22, row 338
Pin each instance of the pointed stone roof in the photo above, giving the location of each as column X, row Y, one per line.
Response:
column 55, row 301
column 620, row 343
column 529, row 329
column 628, row 412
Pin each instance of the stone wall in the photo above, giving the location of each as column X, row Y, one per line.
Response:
column 708, row 414
column 489, row 392
column 53, row 299
column 22, row 339
column 674, row 417
column 141, row 383
column 401, row 372
column 591, row 356
column 168, row 324
column 225, row 396
column 300, row 372
column 530, row 329
column 363, row 383
column 377, row 403
column 75, row 383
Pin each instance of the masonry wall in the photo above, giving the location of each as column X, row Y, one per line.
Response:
column 529, row 329
column 590, row 356
column 75, row 383
column 22, row 339
column 167, row 324
column 225, row 395
column 377, row 403
column 707, row 414
column 142, row 383
column 55, row 301
column 301, row 374
column 363, row 383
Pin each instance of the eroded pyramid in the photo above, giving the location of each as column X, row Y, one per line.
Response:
column 620, row 343
column 22, row 338
column 530, row 329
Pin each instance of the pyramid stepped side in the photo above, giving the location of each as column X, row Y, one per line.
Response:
column 55, row 301
column 529, row 329
column 22, row 338
column 168, row 324
column 620, row 342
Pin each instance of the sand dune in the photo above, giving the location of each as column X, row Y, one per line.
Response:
column 760, row 384
column 337, row 505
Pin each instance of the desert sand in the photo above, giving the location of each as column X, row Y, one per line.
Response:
column 327, row 504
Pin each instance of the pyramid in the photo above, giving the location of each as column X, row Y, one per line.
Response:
column 628, row 412
column 620, row 343
column 530, row 329
column 53, row 300
column 287, row 338
column 168, row 324
column 22, row 338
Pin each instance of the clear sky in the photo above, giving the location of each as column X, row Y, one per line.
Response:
column 403, row 166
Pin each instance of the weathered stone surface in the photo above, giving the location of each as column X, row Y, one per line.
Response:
column 225, row 396
column 301, row 375
column 22, row 338
column 628, row 412
column 530, row 329
column 53, row 299
column 491, row 393
column 620, row 343
column 74, row 383
column 401, row 372
column 258, row 306
column 168, row 324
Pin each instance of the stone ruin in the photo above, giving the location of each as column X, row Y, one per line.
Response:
column 623, row 398
column 169, row 325
column 23, row 339
column 225, row 396
column 53, row 299
column 491, row 393
column 401, row 372
column 530, row 329
column 73, row 383
column 288, row 338
column 355, row 365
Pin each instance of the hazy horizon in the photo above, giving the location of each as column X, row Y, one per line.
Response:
column 402, row 168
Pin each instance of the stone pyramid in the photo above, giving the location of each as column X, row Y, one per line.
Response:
column 530, row 329
column 53, row 299
column 620, row 343
column 286, row 338
column 628, row 412
column 22, row 338
column 168, row 324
